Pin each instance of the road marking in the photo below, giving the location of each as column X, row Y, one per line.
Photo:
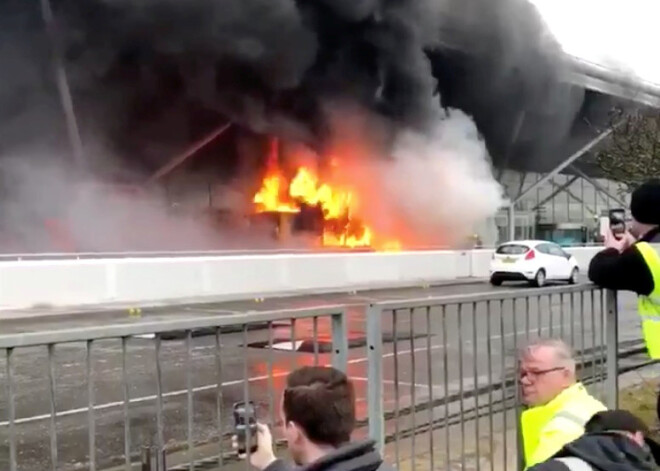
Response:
column 138, row 400
column 401, row 383
column 208, row 387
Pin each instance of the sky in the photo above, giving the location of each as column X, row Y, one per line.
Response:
column 618, row 34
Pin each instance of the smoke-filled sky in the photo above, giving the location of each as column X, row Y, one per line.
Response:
column 149, row 77
column 615, row 33
column 266, row 64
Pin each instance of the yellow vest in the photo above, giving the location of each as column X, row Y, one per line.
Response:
column 547, row 428
column 649, row 306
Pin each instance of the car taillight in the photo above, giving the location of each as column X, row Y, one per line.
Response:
column 530, row 255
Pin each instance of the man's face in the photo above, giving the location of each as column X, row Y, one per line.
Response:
column 637, row 437
column 541, row 377
column 639, row 230
column 295, row 439
column 635, row 229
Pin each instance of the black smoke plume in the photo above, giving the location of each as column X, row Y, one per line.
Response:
column 158, row 72
column 269, row 65
column 149, row 77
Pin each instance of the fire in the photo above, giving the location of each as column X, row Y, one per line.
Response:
column 342, row 227
column 307, row 188
column 268, row 197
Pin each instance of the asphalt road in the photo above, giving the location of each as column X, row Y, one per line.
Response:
column 427, row 354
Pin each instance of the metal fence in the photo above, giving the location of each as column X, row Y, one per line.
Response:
column 435, row 379
column 455, row 398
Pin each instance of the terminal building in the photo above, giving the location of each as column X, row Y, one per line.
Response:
column 563, row 201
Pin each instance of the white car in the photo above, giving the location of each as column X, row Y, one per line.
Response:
column 534, row 261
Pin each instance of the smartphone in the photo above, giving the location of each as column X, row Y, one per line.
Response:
column 245, row 425
column 617, row 221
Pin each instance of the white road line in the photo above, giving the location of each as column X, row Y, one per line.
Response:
column 389, row 381
column 208, row 387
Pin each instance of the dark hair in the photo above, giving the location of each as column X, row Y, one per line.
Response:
column 321, row 400
column 617, row 420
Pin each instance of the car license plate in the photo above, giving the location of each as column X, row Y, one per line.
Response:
column 509, row 260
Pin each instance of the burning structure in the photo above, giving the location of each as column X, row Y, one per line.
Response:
column 330, row 211
column 363, row 97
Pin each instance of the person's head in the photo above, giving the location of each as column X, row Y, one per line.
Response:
column 318, row 411
column 645, row 208
column 618, row 421
column 546, row 368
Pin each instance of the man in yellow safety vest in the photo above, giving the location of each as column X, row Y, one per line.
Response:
column 632, row 263
column 558, row 406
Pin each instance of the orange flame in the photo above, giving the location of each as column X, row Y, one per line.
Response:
column 341, row 226
column 268, row 198
column 305, row 187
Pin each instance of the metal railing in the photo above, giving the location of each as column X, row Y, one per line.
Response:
column 465, row 391
column 435, row 378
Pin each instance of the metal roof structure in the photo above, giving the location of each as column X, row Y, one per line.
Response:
column 605, row 81
column 613, row 82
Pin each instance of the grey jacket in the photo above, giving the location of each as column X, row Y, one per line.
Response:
column 357, row 456
column 600, row 452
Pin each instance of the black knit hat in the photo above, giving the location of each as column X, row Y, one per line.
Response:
column 645, row 203
column 615, row 421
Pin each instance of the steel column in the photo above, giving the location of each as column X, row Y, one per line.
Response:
column 555, row 192
column 576, row 198
column 598, row 186
column 63, row 83
column 564, row 164
column 512, row 221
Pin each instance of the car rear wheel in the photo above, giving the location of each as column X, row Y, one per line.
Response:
column 539, row 279
column 575, row 275
column 495, row 281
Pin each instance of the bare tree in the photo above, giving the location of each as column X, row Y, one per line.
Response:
column 632, row 155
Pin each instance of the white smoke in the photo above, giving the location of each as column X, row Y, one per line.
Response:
column 444, row 178
column 434, row 188
column 47, row 207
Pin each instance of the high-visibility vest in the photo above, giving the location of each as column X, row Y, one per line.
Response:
column 649, row 306
column 547, row 428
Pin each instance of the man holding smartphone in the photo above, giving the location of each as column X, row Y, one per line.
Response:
column 631, row 261
column 317, row 412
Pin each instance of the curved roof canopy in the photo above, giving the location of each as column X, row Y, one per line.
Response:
column 611, row 42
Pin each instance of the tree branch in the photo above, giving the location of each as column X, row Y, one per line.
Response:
column 633, row 153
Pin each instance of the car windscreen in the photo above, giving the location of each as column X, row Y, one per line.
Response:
column 512, row 249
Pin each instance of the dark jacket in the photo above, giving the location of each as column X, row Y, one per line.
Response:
column 358, row 456
column 626, row 271
column 603, row 452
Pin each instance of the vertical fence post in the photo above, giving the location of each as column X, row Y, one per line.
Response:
column 339, row 341
column 145, row 459
column 11, row 409
column 160, row 440
column 612, row 334
column 375, row 375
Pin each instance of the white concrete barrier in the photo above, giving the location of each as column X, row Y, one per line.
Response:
column 583, row 255
column 152, row 280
